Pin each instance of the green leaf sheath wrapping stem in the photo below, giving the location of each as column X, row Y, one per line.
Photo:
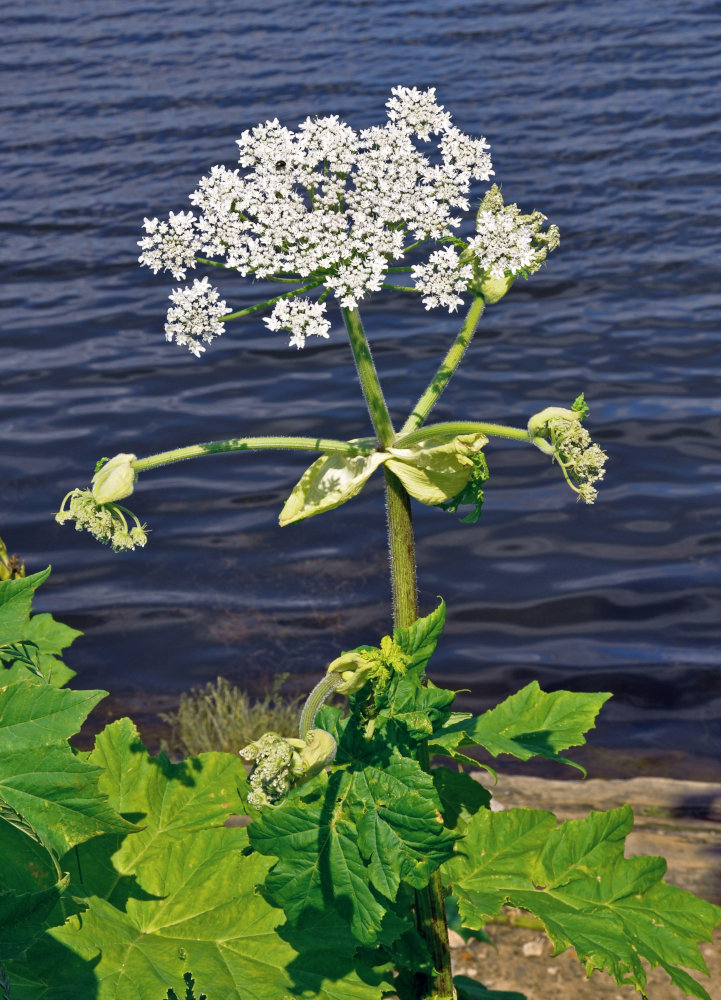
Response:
column 433, row 471
column 614, row 911
column 179, row 895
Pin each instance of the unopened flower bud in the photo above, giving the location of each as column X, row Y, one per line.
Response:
column 353, row 669
column 114, row 480
column 319, row 752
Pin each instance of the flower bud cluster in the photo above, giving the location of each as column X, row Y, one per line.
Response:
column 507, row 243
column 281, row 762
column 96, row 510
column 106, row 522
column 559, row 432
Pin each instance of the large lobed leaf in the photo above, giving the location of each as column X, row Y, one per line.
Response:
column 30, row 885
column 33, row 715
column 349, row 842
column 180, row 895
column 529, row 723
column 53, row 789
column 39, row 636
column 613, row 910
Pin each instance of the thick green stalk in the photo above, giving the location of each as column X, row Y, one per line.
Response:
column 440, row 380
column 369, row 378
column 327, row 445
column 430, row 910
column 453, row 427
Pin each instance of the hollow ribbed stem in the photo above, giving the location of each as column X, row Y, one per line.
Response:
column 368, row 378
column 315, row 701
column 440, row 380
column 430, row 911
column 327, row 445
column 451, row 428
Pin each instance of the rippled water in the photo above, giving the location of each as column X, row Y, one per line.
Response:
column 603, row 115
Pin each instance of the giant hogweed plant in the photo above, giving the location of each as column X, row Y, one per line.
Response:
column 119, row 878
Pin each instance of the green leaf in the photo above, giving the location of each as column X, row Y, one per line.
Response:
column 45, row 636
column 30, row 887
column 461, row 797
column 56, row 792
column 319, row 861
column 529, row 723
column 193, row 904
column 33, row 715
column 15, row 601
column 469, row 989
column 613, row 910
column 419, row 640
column 400, row 828
column 328, row 483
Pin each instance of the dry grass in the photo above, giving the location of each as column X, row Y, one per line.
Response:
column 221, row 716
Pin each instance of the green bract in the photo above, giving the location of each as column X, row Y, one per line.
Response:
column 433, row 471
column 115, row 479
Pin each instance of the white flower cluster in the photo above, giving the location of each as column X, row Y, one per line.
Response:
column 106, row 522
column 502, row 245
column 325, row 205
column 302, row 317
column 442, row 278
column 507, row 241
column 195, row 316
column 169, row 245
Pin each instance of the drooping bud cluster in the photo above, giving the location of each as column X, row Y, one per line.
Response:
column 107, row 522
column 559, row 432
column 281, row 762
column 96, row 510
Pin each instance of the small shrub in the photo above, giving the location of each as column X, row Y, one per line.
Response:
column 221, row 716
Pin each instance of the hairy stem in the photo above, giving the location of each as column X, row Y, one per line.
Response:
column 369, row 378
column 440, row 380
column 315, row 701
column 328, row 445
column 430, row 911
column 451, row 428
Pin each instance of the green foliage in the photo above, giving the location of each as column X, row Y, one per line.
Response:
column 529, row 723
column 119, row 875
column 220, row 716
column 581, row 406
column 189, row 989
column 180, row 892
column 613, row 910
column 29, row 646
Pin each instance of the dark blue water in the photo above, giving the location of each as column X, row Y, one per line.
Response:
column 605, row 116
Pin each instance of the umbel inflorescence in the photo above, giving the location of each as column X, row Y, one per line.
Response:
column 331, row 209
